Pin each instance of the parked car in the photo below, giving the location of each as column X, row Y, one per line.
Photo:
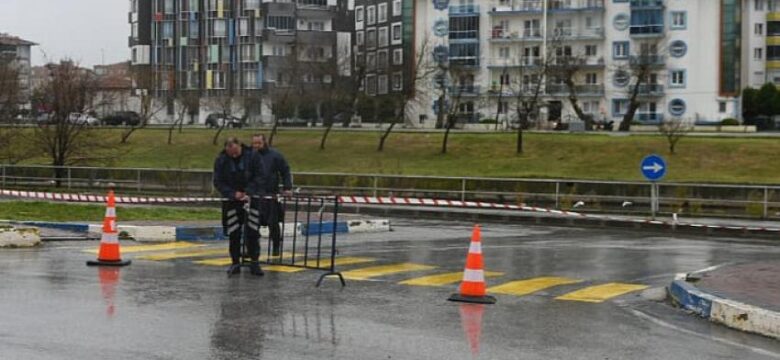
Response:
column 218, row 120
column 83, row 119
column 130, row 118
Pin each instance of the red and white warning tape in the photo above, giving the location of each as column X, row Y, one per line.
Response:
column 368, row 200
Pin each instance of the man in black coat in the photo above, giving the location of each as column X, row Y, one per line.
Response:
column 275, row 169
column 238, row 176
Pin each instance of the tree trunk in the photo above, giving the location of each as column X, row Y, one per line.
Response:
column 126, row 134
column 219, row 132
column 273, row 131
column 384, row 136
column 446, row 136
column 325, row 134
column 574, row 101
column 523, row 120
column 625, row 124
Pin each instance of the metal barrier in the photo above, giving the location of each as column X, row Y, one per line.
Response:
column 623, row 197
column 303, row 251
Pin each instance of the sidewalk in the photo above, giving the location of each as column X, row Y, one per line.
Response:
column 741, row 296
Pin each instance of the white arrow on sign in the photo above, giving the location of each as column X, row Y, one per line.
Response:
column 656, row 167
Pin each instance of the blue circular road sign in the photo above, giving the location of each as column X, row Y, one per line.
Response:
column 653, row 167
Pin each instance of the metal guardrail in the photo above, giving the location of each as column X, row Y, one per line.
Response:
column 621, row 197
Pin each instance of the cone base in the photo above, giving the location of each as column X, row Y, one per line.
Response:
column 108, row 263
column 487, row 299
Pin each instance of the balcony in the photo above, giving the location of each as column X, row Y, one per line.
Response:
column 647, row 30
column 651, row 90
column 575, row 5
column 652, row 60
column 647, row 4
column 501, row 63
column 464, row 10
column 464, row 61
column 584, row 90
column 523, row 6
column 649, row 118
column 465, row 90
column 503, row 35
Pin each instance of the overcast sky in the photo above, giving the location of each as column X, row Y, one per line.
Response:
column 76, row 29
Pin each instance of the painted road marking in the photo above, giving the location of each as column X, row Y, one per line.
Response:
column 224, row 261
column 444, row 279
column 601, row 293
column 157, row 247
column 182, row 254
column 376, row 271
column 530, row 286
column 340, row 261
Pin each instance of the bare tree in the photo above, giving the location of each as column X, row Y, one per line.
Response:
column 640, row 71
column 567, row 68
column 69, row 89
column 147, row 106
column 405, row 102
column 188, row 105
column 451, row 111
column 674, row 130
column 339, row 97
column 224, row 106
column 10, row 88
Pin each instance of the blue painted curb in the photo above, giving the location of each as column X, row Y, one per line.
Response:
column 327, row 228
column 74, row 227
column 691, row 298
column 193, row 233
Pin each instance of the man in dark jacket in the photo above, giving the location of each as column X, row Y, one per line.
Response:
column 275, row 168
column 238, row 177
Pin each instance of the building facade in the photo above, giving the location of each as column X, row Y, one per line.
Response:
column 260, row 52
column 761, row 39
column 498, row 46
column 16, row 52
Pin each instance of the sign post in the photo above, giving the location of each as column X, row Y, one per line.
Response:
column 653, row 168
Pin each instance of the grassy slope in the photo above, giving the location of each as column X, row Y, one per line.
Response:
column 739, row 160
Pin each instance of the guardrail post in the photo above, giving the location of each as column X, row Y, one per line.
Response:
column 69, row 178
column 138, row 180
column 653, row 199
column 463, row 190
column 376, row 185
column 766, row 202
column 557, row 195
column 3, row 176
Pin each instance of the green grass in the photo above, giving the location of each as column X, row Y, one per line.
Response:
column 44, row 211
column 575, row 156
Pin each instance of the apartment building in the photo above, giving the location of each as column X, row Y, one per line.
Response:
column 695, row 47
column 241, row 49
column 761, row 39
column 16, row 52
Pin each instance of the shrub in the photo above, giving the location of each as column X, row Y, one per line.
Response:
column 488, row 121
column 729, row 122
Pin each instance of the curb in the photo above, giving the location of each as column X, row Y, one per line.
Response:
column 727, row 312
column 213, row 233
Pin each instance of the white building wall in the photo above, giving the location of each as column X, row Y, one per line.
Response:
column 754, row 68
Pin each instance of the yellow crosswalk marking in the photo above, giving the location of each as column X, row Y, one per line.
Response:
column 182, row 254
column 282, row 268
column 156, row 247
column 224, row 261
column 601, row 293
column 376, row 271
column 340, row 261
column 443, row 279
column 530, row 286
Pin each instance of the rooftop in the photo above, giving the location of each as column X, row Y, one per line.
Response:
column 7, row 39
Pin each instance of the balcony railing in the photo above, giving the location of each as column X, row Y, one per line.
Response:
column 647, row 59
column 581, row 90
column 465, row 90
column 514, row 62
column 649, row 118
column 553, row 5
column 464, row 10
column 647, row 3
column 520, row 6
column 647, row 30
column 525, row 34
column 571, row 5
column 651, row 90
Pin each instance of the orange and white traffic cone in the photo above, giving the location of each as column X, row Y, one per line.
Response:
column 473, row 288
column 108, row 254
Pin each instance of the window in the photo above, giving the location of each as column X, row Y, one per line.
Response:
column 398, row 81
column 280, row 22
column 243, row 27
column 219, row 28
column 371, row 38
column 371, row 15
column 169, row 6
column 398, row 56
column 722, row 107
column 358, row 14
column 250, row 80
column 759, row 29
column 251, row 4
column 759, row 5
column 259, row 27
column 678, row 48
column 316, row 26
column 194, row 30
column 620, row 49
column 679, row 20
column 503, row 52
column 381, row 84
column 371, row 84
column 371, row 61
column 591, row 79
column 381, row 59
column 591, row 50
column 619, row 107
column 382, row 37
column 396, row 34
column 758, row 53
column 359, row 38
column 621, row 22
column 396, row 7
column 504, row 79
column 279, row 50
column 248, row 53
column 168, row 30
column 677, row 79
column 219, row 80
column 677, row 107
column 381, row 13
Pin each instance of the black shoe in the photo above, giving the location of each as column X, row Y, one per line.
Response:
column 255, row 269
column 275, row 250
column 234, row 269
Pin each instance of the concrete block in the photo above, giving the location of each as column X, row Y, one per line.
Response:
column 746, row 317
column 19, row 237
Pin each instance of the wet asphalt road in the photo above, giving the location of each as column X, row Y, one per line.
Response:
column 54, row 307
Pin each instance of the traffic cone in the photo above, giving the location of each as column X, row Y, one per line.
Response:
column 473, row 288
column 108, row 254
